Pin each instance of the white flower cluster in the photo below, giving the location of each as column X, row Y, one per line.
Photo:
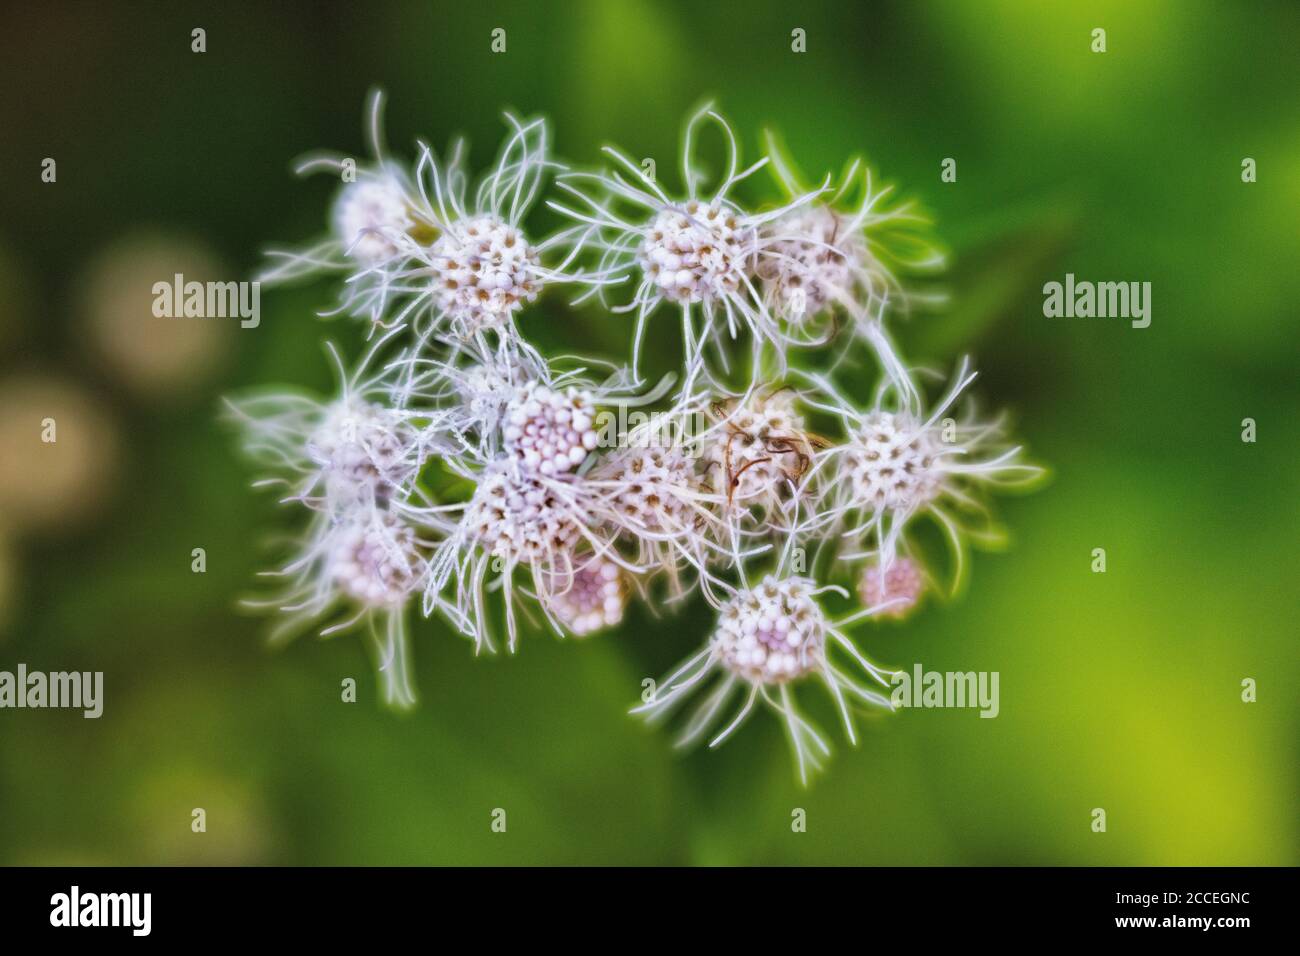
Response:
column 462, row 472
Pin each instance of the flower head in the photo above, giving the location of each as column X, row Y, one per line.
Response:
column 377, row 223
column 697, row 252
column 515, row 520
column 770, row 638
column 481, row 269
column 365, row 449
column 898, row 462
column 812, row 265
column 522, row 518
column 758, row 447
column 418, row 248
column 484, row 271
column 353, row 452
column 658, row 503
column 361, row 570
column 894, row 462
column 375, row 562
column 353, row 462
column 773, row 633
column 847, row 260
column 549, row 431
column 593, row 598
column 845, row 255
column 369, row 217
column 467, row 397
column 897, row 590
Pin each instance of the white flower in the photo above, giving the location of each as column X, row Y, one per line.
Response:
column 653, row 489
column 353, row 462
column 897, row 589
column 549, row 431
column 814, row 263
column 521, row 517
column 768, row 639
column 773, row 633
column 419, row 248
column 484, row 477
column 844, row 253
column 893, row 461
column 376, row 563
column 515, row 519
column 698, row 252
column 515, row 406
column 758, row 448
column 837, row 262
column 366, row 567
column 483, row 271
column 898, row 462
column 592, row 599
column 354, row 450
column 365, row 449
column 468, row 398
column 657, row 500
column 369, row 216
column 377, row 223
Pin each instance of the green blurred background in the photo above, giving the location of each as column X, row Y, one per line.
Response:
column 1118, row 690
